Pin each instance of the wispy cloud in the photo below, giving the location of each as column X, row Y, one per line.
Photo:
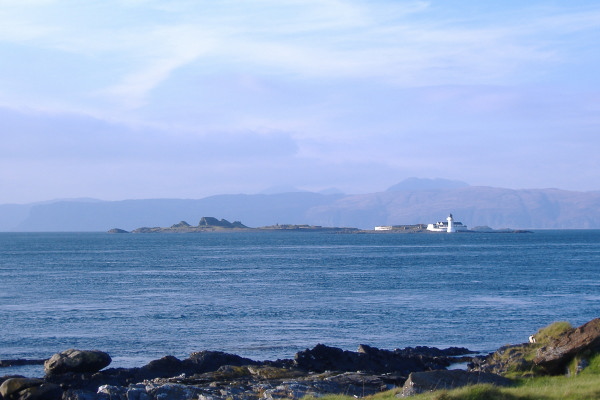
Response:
column 164, row 50
column 279, row 89
column 400, row 43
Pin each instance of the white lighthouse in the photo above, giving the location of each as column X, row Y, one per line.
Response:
column 450, row 224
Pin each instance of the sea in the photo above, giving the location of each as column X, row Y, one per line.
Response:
column 268, row 295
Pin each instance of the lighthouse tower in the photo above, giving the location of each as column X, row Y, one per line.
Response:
column 450, row 224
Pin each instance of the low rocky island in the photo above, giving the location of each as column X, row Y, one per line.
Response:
column 557, row 349
column 206, row 224
column 211, row 224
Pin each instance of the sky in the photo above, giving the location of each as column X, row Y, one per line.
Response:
column 131, row 99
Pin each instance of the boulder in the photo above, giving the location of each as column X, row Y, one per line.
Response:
column 219, row 363
column 420, row 382
column 29, row 388
column 46, row 391
column 163, row 367
column 382, row 361
column 555, row 357
column 14, row 385
column 76, row 361
column 207, row 361
column 7, row 377
column 324, row 358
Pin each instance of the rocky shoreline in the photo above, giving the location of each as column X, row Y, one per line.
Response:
column 213, row 375
column 79, row 374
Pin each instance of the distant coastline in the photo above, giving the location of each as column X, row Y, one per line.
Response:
column 495, row 207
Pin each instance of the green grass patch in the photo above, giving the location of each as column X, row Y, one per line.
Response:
column 517, row 361
column 593, row 367
column 583, row 386
column 551, row 332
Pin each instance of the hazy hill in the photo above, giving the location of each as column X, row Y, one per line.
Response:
column 426, row 184
column 74, row 215
column 472, row 205
column 495, row 207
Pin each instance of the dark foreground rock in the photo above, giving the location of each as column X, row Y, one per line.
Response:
column 21, row 388
column 20, row 362
column 205, row 361
column 248, row 385
column 76, row 375
column 213, row 375
column 73, row 360
column 420, row 382
column 323, row 358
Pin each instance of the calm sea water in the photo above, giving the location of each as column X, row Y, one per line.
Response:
column 268, row 295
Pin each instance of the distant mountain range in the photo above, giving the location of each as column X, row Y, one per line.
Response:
column 410, row 202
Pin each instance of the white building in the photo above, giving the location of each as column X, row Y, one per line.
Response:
column 449, row 226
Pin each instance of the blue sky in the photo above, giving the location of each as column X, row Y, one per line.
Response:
column 152, row 99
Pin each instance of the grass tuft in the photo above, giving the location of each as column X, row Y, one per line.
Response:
column 476, row 392
column 583, row 385
column 552, row 332
column 594, row 366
